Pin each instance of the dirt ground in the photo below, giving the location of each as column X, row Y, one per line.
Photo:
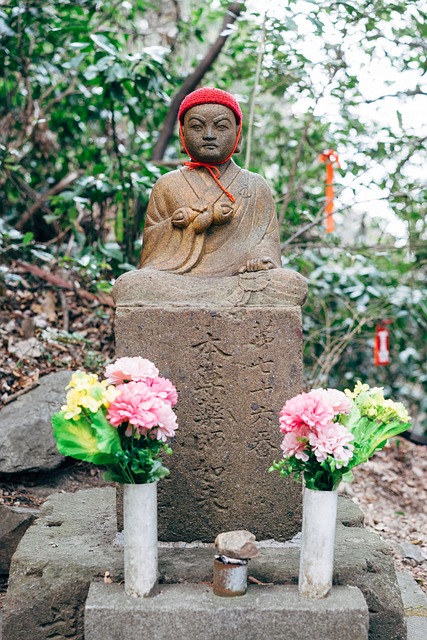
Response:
column 44, row 328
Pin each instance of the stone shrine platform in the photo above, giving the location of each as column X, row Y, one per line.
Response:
column 71, row 544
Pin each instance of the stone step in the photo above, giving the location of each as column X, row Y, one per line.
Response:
column 184, row 611
column 415, row 605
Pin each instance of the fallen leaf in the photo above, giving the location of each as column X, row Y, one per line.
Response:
column 30, row 348
column 46, row 306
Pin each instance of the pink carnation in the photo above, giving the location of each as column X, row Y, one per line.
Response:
column 164, row 389
column 334, row 440
column 167, row 424
column 334, row 398
column 294, row 445
column 136, row 404
column 135, row 369
column 305, row 409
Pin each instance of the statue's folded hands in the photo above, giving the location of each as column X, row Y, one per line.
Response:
column 222, row 213
column 183, row 217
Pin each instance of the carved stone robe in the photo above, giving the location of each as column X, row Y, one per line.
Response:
column 236, row 232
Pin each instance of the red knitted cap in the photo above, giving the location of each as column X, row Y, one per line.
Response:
column 210, row 95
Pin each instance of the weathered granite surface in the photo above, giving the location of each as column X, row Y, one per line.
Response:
column 71, row 543
column 234, row 368
column 14, row 521
column 149, row 288
column 193, row 611
column 26, row 435
column 68, row 545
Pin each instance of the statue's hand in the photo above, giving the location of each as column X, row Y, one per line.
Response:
column 258, row 264
column 222, row 213
column 203, row 221
column 183, row 216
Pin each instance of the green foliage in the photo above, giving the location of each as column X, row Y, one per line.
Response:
column 79, row 100
column 349, row 294
column 317, row 476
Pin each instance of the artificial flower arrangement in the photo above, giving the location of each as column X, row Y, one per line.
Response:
column 123, row 422
column 328, row 433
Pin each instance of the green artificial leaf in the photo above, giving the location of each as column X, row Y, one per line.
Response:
column 158, row 471
column 347, row 476
column 78, row 439
column 108, row 439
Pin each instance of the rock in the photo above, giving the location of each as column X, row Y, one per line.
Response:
column 236, row 544
column 412, row 552
column 69, row 544
column 14, row 521
column 26, row 436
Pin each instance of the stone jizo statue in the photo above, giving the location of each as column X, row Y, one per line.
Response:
column 211, row 219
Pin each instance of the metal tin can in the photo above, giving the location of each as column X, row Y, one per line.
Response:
column 230, row 579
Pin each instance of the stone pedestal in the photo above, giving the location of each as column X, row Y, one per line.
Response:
column 234, row 367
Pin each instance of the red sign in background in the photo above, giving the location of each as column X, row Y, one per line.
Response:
column 382, row 344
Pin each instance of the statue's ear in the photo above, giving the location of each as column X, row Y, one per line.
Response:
column 181, row 140
column 239, row 144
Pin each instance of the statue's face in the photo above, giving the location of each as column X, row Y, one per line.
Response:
column 210, row 132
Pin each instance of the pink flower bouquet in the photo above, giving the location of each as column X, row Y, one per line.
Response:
column 123, row 422
column 327, row 433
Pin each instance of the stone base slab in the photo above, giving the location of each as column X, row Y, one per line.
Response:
column 187, row 611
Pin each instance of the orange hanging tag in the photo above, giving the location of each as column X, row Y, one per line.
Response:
column 382, row 344
column 330, row 157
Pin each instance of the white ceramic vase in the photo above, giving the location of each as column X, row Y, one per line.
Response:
column 140, row 533
column 317, row 544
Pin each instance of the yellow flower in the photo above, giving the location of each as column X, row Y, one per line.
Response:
column 368, row 407
column 377, row 394
column 395, row 410
column 81, row 380
column 358, row 389
column 71, row 409
column 86, row 391
column 110, row 393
